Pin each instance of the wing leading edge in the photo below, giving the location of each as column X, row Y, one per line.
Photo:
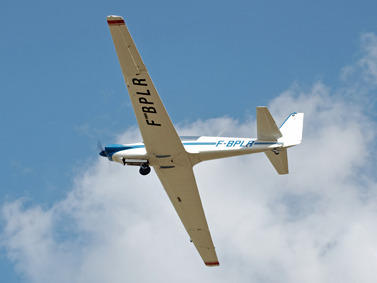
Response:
column 163, row 145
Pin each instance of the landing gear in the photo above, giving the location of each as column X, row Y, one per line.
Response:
column 144, row 169
column 144, row 165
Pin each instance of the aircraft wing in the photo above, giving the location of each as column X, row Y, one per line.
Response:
column 156, row 128
column 163, row 145
column 180, row 185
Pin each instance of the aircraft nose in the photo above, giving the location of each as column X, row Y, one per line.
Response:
column 103, row 153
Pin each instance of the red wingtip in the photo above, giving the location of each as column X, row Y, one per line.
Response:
column 215, row 263
column 115, row 22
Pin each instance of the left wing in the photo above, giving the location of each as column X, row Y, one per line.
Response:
column 180, row 185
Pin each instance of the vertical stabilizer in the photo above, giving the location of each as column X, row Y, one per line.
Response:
column 291, row 129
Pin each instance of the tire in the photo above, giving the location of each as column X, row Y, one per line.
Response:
column 144, row 169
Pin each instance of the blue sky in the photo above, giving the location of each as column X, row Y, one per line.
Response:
column 62, row 89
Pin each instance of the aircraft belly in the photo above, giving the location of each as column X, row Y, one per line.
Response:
column 136, row 154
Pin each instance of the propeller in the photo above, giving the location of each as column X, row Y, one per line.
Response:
column 102, row 149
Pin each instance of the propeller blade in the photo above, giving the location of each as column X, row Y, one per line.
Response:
column 99, row 146
column 101, row 149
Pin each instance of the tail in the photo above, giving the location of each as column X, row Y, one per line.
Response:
column 289, row 134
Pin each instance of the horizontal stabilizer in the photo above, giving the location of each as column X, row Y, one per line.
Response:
column 279, row 161
column 266, row 126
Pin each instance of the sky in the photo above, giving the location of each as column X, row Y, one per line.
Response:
column 67, row 215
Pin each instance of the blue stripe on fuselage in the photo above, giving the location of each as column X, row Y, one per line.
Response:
column 199, row 143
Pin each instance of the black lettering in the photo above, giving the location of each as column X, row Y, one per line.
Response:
column 144, row 93
column 152, row 123
column 149, row 109
column 144, row 100
column 139, row 82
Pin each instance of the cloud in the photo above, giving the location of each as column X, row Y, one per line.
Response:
column 369, row 61
column 316, row 224
column 360, row 78
column 365, row 69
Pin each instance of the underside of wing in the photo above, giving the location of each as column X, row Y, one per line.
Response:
column 157, row 130
column 180, row 185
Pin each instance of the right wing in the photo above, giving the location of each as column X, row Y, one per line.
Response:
column 157, row 130
column 180, row 185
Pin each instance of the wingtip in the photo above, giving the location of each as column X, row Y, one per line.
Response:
column 113, row 19
column 214, row 263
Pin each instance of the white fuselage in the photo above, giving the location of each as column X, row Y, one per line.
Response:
column 200, row 148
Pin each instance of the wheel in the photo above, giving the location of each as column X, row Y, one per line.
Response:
column 144, row 169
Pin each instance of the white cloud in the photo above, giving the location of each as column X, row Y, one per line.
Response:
column 315, row 225
column 369, row 61
column 365, row 68
column 360, row 78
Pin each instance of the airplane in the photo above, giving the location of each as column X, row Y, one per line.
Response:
column 173, row 157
